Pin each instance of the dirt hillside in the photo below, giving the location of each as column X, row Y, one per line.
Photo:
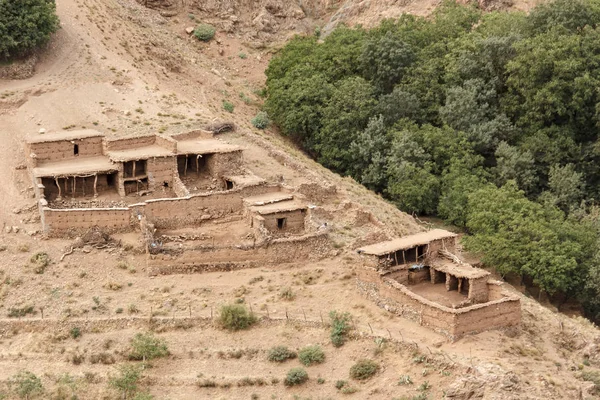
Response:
column 122, row 68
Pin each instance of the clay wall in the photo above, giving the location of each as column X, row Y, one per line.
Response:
column 161, row 170
column 58, row 222
column 197, row 134
column 219, row 164
column 179, row 188
column 166, row 142
column 64, row 149
column 128, row 143
column 503, row 311
column 478, row 290
column 418, row 275
column 171, row 213
column 294, row 222
column 208, row 259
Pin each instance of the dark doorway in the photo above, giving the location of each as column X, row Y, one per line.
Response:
column 228, row 184
column 281, row 223
column 76, row 149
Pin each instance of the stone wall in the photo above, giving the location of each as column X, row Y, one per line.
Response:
column 166, row 142
column 59, row 222
column 197, row 134
column 219, row 164
column 64, row 149
column 308, row 247
column 503, row 311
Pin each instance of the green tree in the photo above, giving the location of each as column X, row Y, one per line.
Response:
column 25, row 25
column 384, row 60
column 515, row 164
column 345, row 116
column 412, row 188
column 370, row 151
column 566, row 186
column 126, row 382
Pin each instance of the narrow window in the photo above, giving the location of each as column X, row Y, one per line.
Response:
column 228, row 184
column 281, row 223
column 166, row 184
column 76, row 149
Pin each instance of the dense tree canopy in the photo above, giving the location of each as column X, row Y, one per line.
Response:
column 24, row 25
column 488, row 120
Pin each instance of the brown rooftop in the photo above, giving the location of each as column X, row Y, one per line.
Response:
column 74, row 167
column 65, row 135
column 268, row 198
column 205, row 146
column 462, row 270
column 282, row 206
column 406, row 242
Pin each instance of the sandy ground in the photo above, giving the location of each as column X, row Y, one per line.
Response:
column 122, row 69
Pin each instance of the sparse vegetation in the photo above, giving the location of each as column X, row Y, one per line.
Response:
column 340, row 326
column 18, row 312
column 41, row 260
column 127, row 380
column 75, row 332
column 26, row 385
column 296, row 376
column 287, row 294
column 235, row 317
column 280, row 354
column 204, row 32
column 261, row 120
column 146, row 346
column 227, row 106
column 364, row 369
column 311, row 355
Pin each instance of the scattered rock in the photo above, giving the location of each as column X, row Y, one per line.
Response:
column 42, row 131
column 8, row 229
column 189, row 30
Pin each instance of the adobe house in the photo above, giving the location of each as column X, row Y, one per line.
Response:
column 201, row 159
column 418, row 275
column 71, row 164
column 278, row 213
column 146, row 163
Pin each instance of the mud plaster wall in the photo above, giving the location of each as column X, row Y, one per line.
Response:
column 454, row 323
column 294, row 222
column 172, row 213
column 166, row 142
column 478, row 290
column 128, row 143
column 219, row 164
column 64, row 149
column 197, row 134
column 278, row 251
column 179, row 188
column 60, row 221
column 161, row 170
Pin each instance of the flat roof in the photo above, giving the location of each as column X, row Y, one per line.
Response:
column 64, row 135
column 463, row 270
column 282, row 206
column 406, row 242
column 245, row 180
column 205, row 146
column 268, row 198
column 139, row 153
column 74, row 167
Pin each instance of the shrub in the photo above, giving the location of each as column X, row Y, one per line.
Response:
column 227, row 106
column 41, row 261
column 15, row 312
column 127, row 380
column 340, row 326
column 75, row 332
column 364, row 369
column 280, row 354
column 235, row 317
column 147, row 347
column 26, row 24
column 27, row 384
column 340, row 384
column 310, row 355
column 295, row 376
column 204, row 32
column 261, row 120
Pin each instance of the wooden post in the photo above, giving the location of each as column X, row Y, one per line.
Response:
column 396, row 257
column 95, row 185
column 59, row 189
column 185, row 166
column 133, row 168
column 403, row 259
column 74, row 185
column 83, row 186
column 198, row 165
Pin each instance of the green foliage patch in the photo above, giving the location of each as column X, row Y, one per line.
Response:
column 235, row 317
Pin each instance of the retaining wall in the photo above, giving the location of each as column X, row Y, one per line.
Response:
column 57, row 222
column 502, row 312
